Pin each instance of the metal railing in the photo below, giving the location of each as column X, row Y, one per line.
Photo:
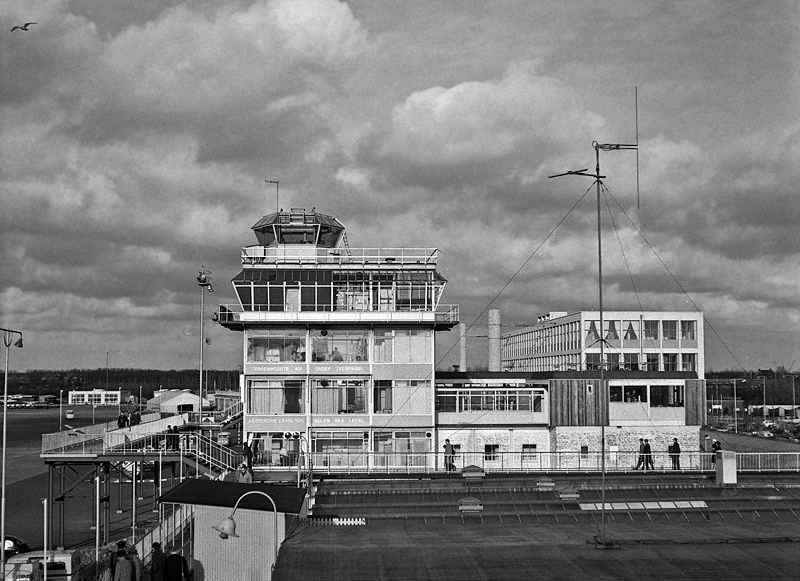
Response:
column 219, row 458
column 232, row 312
column 356, row 462
column 95, row 439
column 264, row 254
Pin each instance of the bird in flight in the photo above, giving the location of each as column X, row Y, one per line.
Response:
column 23, row 27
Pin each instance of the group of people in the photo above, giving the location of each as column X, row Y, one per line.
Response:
column 127, row 566
column 645, row 459
column 129, row 420
column 172, row 438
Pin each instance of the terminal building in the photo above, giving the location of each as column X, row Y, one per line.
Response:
column 337, row 343
column 338, row 349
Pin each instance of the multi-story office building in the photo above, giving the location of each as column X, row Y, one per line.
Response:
column 634, row 341
column 337, row 342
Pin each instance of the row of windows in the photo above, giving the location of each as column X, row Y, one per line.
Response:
column 388, row 346
column 338, row 396
column 658, row 395
column 646, row 362
column 497, row 400
column 613, row 361
column 565, row 337
column 338, row 297
column 407, row 396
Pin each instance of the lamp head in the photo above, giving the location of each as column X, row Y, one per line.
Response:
column 18, row 343
column 226, row 528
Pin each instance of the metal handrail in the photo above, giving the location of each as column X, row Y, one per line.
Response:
column 257, row 254
column 357, row 461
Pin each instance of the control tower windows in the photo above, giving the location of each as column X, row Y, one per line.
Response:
column 280, row 396
column 402, row 346
column 402, row 396
column 277, row 346
column 338, row 345
column 339, row 396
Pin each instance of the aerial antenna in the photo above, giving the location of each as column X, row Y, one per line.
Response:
column 599, row 184
column 636, row 108
column 277, row 193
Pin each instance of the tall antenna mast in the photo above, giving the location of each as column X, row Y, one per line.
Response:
column 636, row 107
column 277, row 193
column 598, row 182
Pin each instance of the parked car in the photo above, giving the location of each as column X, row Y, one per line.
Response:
column 14, row 545
column 27, row 566
column 767, row 423
column 70, row 414
column 767, row 434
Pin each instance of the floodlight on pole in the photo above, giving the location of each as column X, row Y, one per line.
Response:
column 227, row 526
column 204, row 282
column 8, row 336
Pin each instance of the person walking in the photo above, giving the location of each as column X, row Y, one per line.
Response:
column 175, row 566
column 675, row 454
column 157, row 563
column 648, row 455
column 640, row 461
column 449, row 456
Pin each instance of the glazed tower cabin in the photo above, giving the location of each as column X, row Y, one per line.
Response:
column 338, row 342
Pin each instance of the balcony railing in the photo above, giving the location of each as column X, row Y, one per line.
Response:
column 254, row 255
column 233, row 313
column 358, row 461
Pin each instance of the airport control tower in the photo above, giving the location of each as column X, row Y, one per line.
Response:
column 338, row 344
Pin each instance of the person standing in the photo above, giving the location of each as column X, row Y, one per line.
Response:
column 715, row 447
column 123, row 568
column 133, row 555
column 648, row 455
column 248, row 454
column 156, row 563
column 640, row 461
column 449, row 456
column 675, row 454
column 175, row 566
column 243, row 475
column 283, row 453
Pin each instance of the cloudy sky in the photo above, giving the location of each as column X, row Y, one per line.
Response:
column 136, row 138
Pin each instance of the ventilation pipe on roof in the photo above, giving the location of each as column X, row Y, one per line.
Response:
column 494, row 340
column 462, row 344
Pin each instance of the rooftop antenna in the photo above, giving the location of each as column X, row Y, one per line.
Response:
column 277, row 193
column 598, row 183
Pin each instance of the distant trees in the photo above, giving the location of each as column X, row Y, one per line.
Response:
column 43, row 382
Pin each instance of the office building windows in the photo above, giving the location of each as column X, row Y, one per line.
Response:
column 688, row 331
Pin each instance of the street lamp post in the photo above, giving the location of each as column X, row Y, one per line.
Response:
column 764, row 384
column 204, row 282
column 227, row 527
column 60, row 399
column 8, row 335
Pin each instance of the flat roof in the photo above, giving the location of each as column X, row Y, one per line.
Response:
column 288, row 499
